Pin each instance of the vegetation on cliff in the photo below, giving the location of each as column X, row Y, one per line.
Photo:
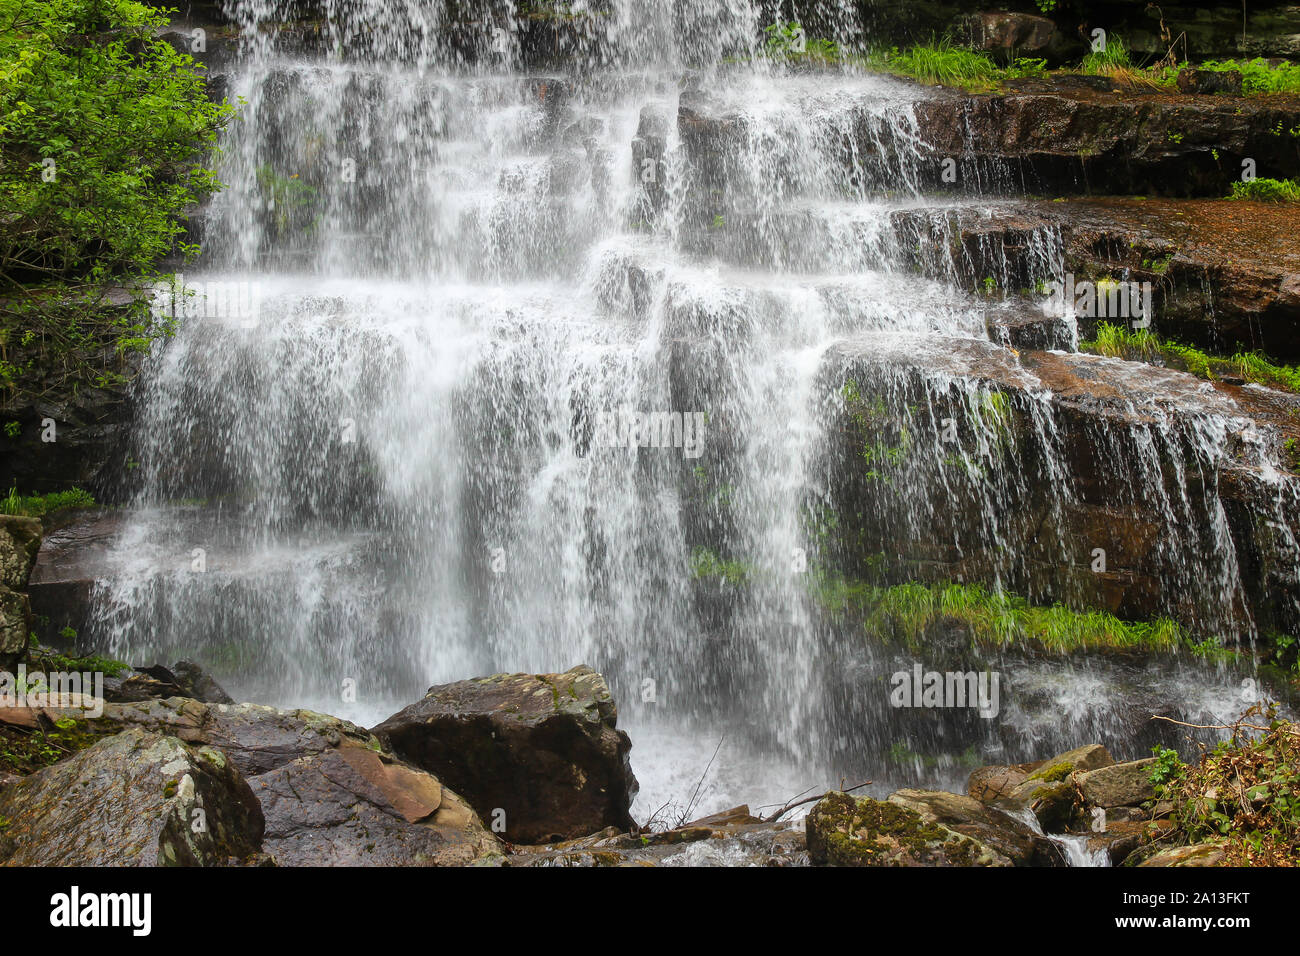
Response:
column 103, row 134
column 1119, row 341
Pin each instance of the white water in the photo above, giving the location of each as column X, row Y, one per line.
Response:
column 396, row 451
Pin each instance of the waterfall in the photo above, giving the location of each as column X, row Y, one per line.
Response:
column 400, row 459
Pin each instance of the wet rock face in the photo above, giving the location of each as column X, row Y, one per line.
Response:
column 1075, row 455
column 543, row 750
column 844, row 831
column 20, row 540
column 1068, row 139
column 134, row 799
column 1211, row 30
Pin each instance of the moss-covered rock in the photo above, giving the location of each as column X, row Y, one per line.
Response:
column 847, row 831
column 134, row 799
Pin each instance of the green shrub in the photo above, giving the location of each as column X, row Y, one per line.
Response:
column 1243, row 795
column 1259, row 76
column 103, row 127
column 1267, row 190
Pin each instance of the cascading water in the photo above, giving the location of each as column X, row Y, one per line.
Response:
column 392, row 464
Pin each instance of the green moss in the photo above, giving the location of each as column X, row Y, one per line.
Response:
column 905, row 613
column 860, row 832
column 1052, row 774
column 705, row 564
column 38, row 506
column 48, row 661
column 24, row 751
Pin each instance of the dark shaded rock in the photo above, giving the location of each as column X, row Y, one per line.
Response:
column 185, row 679
column 847, row 831
column 1192, row 80
column 134, row 799
column 1009, row 33
column 994, row 828
column 1048, row 137
column 70, row 560
column 542, row 749
column 1054, row 803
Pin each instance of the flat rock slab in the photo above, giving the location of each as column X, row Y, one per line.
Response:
column 1205, row 854
column 134, row 799
column 540, row 751
column 1121, row 785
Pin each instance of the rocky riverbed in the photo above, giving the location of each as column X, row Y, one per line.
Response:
column 509, row 770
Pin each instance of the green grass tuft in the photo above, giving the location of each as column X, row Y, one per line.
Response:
column 37, row 506
column 1119, row 341
column 905, row 612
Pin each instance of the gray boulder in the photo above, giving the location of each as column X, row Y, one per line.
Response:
column 134, row 799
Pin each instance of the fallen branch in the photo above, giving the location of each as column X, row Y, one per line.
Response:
column 794, row 802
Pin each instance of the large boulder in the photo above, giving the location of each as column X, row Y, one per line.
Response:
column 540, row 752
column 847, row 831
column 1000, row 31
column 1013, row 838
column 133, row 799
column 329, row 790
